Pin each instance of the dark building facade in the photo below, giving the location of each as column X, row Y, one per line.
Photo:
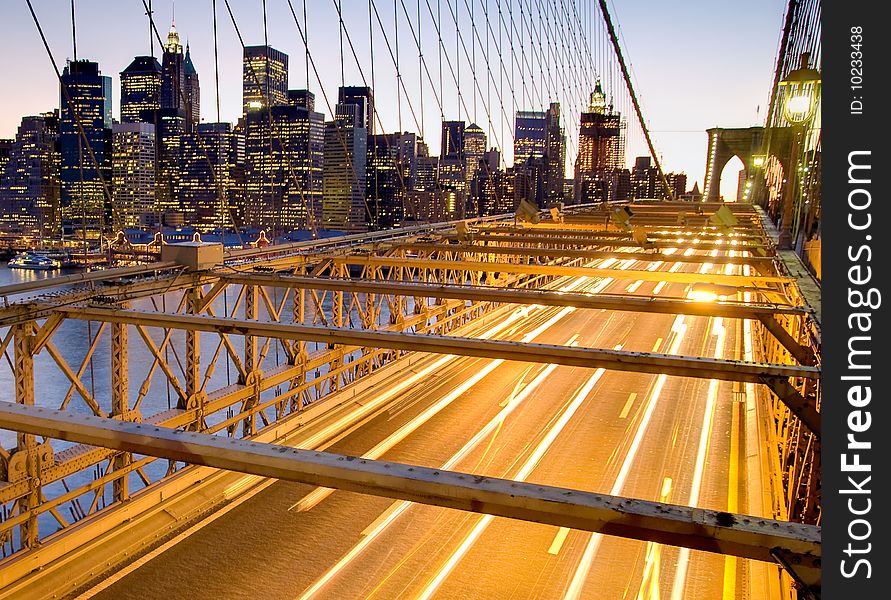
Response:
column 452, row 140
column 140, row 90
column 191, row 90
column 85, row 164
column 362, row 97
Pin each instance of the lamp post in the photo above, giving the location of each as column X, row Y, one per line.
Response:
column 800, row 93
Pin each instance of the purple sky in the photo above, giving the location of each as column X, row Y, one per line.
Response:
column 695, row 64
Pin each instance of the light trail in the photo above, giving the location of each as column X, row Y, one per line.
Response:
column 521, row 475
column 319, row 494
column 581, row 573
column 680, row 579
column 398, row 508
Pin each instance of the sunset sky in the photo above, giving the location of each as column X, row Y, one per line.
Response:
column 695, row 64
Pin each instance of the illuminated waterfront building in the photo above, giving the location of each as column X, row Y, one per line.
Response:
column 133, row 172
column 85, row 167
column 29, row 181
column 140, row 90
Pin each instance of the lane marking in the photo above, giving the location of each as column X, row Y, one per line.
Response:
column 657, row 344
column 558, row 541
column 730, row 562
column 628, row 403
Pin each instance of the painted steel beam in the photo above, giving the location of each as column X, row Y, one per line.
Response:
column 104, row 275
column 619, row 360
column 757, row 261
column 558, row 270
column 628, row 303
column 561, row 230
column 699, row 529
column 519, row 238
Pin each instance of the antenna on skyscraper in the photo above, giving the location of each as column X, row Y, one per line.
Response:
column 149, row 14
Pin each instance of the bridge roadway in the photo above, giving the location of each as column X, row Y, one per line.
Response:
column 647, row 436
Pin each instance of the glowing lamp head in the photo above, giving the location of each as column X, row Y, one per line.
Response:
column 801, row 92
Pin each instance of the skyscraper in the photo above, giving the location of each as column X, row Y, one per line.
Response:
column 171, row 125
column 172, row 73
column 133, row 172
column 283, row 167
column 363, row 97
column 345, row 156
column 555, row 154
column 29, row 183
column 85, row 168
column 264, row 77
column 452, row 140
column 211, row 176
column 191, row 90
column 530, row 135
column 601, row 151
column 140, row 90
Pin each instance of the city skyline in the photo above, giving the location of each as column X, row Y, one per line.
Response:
column 681, row 144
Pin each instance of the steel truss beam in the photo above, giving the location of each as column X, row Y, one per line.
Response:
column 757, row 261
column 642, row 362
column 699, row 529
column 730, row 310
column 559, row 270
column 559, row 230
column 536, row 238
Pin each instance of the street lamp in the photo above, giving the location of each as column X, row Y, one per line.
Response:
column 800, row 91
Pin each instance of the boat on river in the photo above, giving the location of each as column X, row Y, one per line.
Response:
column 34, row 262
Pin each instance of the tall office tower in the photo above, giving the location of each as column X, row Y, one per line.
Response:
column 85, row 167
column 133, row 172
column 29, row 182
column 173, row 73
column 601, row 151
column 555, row 153
column 264, row 77
column 474, row 146
column 171, row 125
column 384, row 187
column 530, row 135
column 140, row 90
column 283, row 168
column 191, row 90
column 211, row 176
column 345, row 158
column 452, row 140
column 363, row 97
